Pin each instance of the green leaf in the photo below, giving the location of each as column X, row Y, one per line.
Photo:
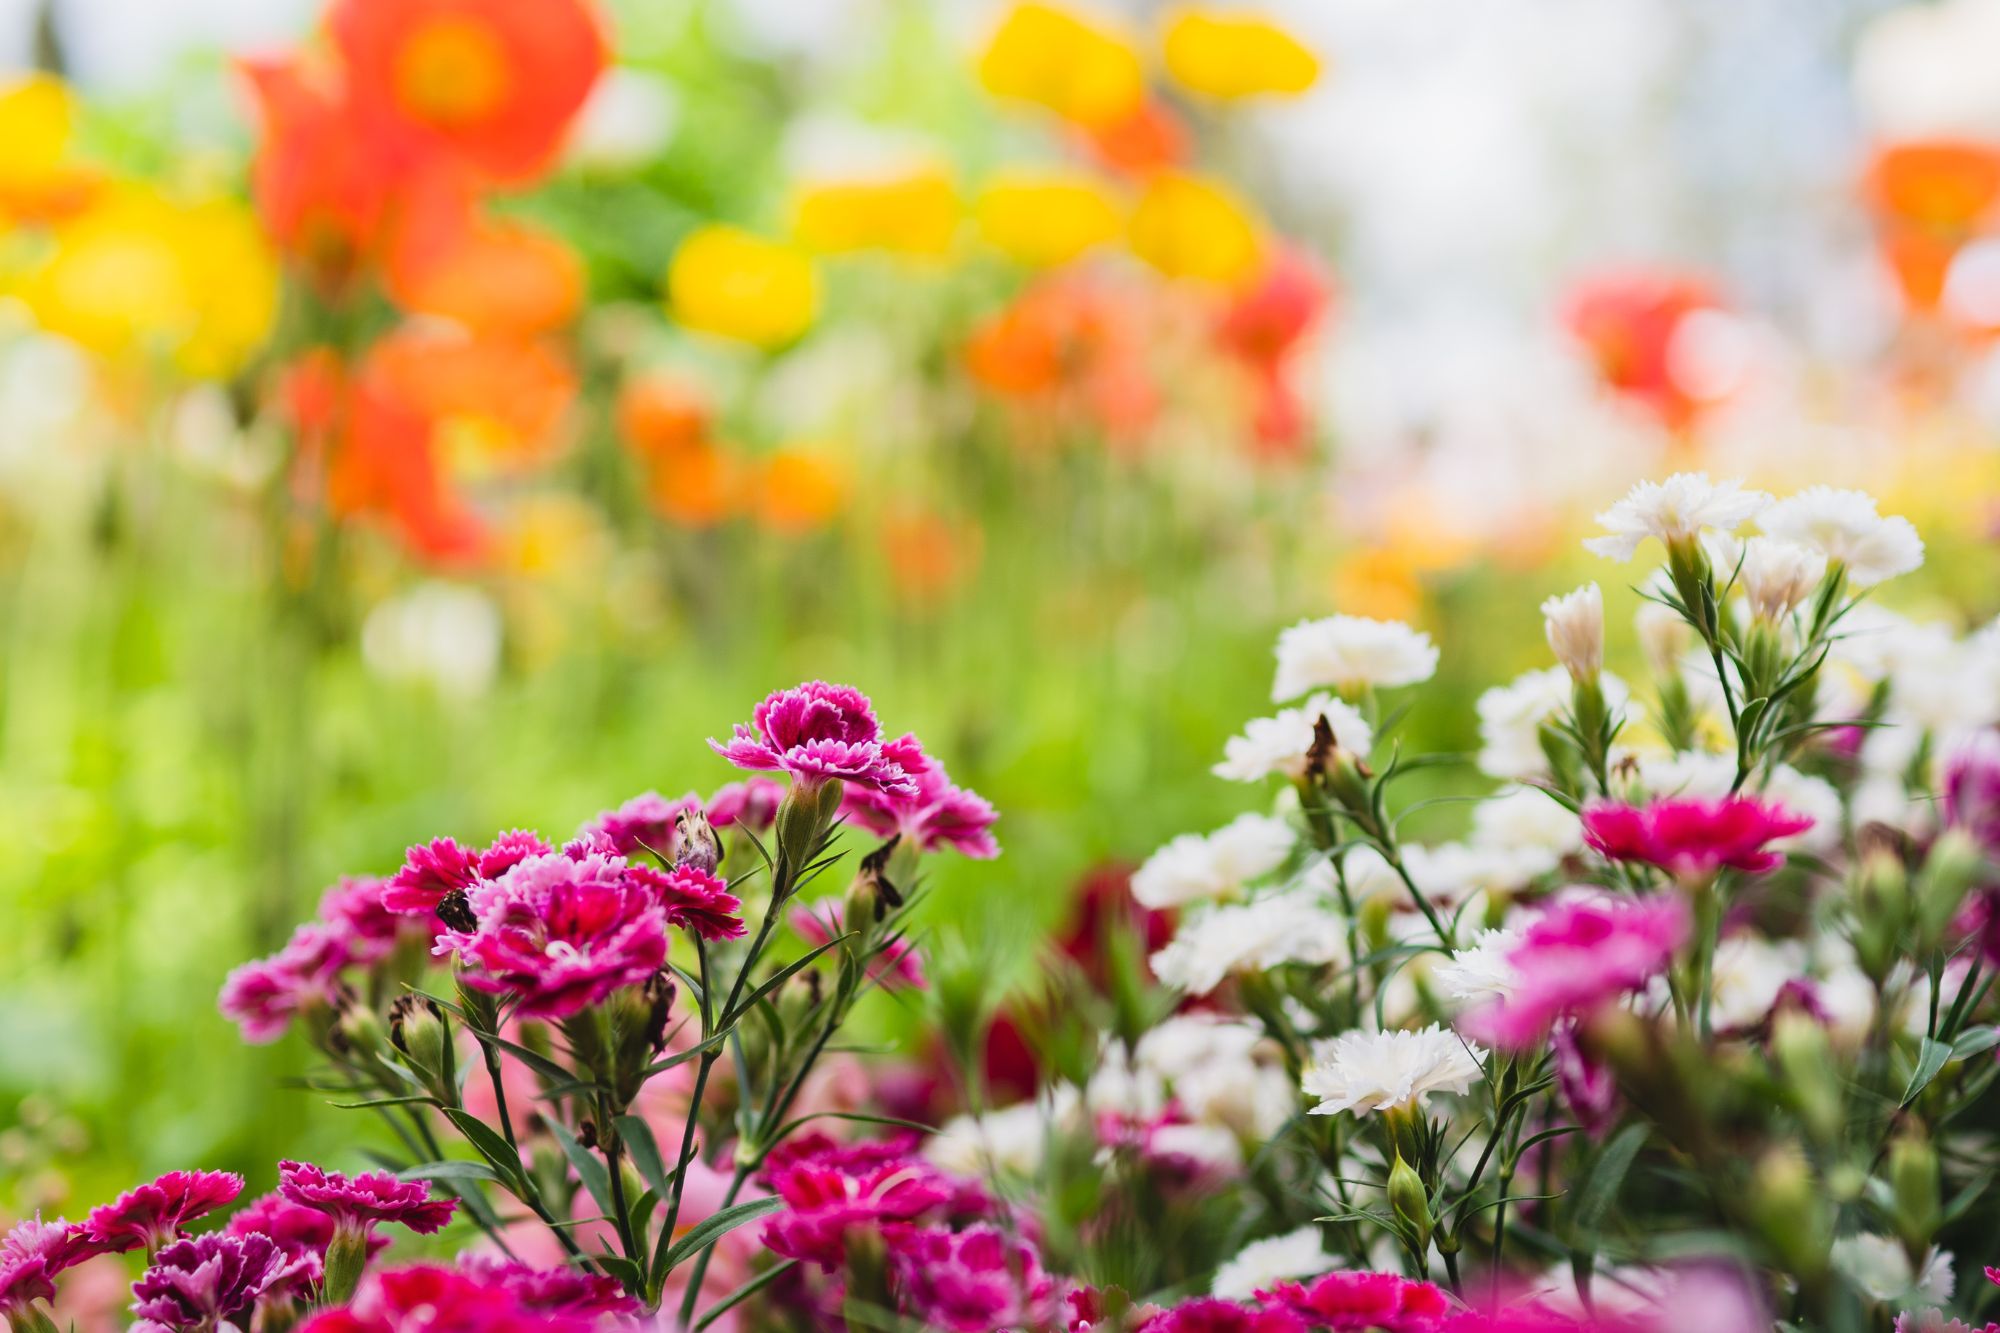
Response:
column 1974, row 1040
column 453, row 1170
column 743, row 1293
column 778, row 979
column 588, row 1168
column 715, row 1226
column 1607, row 1173
column 424, row 1099
column 645, row 1150
column 1932, row 1056
column 497, row 1151
column 535, row 1060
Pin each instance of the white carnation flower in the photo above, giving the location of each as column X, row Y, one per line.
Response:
column 1750, row 973
column 1880, row 1268
column 1777, row 574
column 1526, row 818
column 1279, row 745
column 1385, row 1071
column 1013, row 1139
column 1448, row 873
column 1262, row 1264
column 1574, row 626
column 1682, row 507
column 1844, row 527
column 1250, row 937
column 1343, row 652
column 1481, row 970
column 1193, row 868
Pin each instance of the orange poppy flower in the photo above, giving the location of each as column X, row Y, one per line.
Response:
column 1069, row 347
column 660, row 416
column 1627, row 322
column 1147, row 139
column 491, row 275
column 495, row 402
column 495, row 81
column 929, row 554
column 698, row 485
column 1931, row 196
column 799, row 491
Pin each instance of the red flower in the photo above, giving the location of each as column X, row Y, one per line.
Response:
column 1340, row 1301
column 1691, row 838
column 441, row 1300
column 1628, row 321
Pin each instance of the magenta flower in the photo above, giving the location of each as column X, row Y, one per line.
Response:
column 1579, row 956
column 824, row 1202
column 561, row 1291
column 936, row 814
column 1972, row 789
column 197, row 1284
column 560, row 935
column 752, row 803
column 1343, row 1301
column 896, row 966
column 429, row 1299
column 153, row 1215
column 647, row 822
column 817, row 732
column 1937, row 1321
column 354, row 911
column 1691, row 838
column 430, row 871
column 357, row 1203
column 31, row 1255
column 301, row 1233
column 1588, row 1087
column 972, row 1281
column 263, row 997
column 1209, row 1314
column 694, row 900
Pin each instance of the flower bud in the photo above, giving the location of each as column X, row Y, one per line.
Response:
column 871, row 897
column 1881, row 895
column 1947, row 875
column 1410, row 1202
column 1803, row 1054
column 695, row 843
column 1663, row 637
column 1913, row 1186
column 418, row 1030
column 1778, row 575
column 1574, row 624
column 1789, row 1210
column 359, row 1032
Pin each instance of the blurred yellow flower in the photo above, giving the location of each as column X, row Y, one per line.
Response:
column 912, row 214
column 1229, row 55
column 1380, row 582
column 1188, row 227
column 1056, row 59
column 729, row 283
column 1046, row 218
column 37, row 114
column 139, row 274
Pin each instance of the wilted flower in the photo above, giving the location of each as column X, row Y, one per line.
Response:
column 1675, row 511
column 1350, row 653
column 1283, row 744
column 938, row 813
column 1388, row 1071
column 199, row 1283
column 1264, row 1263
column 971, row 1281
column 1692, row 838
column 1192, row 867
column 1387, row 1301
column 154, row 1214
column 1844, row 527
column 1578, row 956
column 358, row 1203
column 817, row 732
column 1574, row 624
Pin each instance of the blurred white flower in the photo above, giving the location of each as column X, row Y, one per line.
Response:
column 1511, row 718
column 444, row 635
column 1524, row 817
column 1844, row 527
column 628, row 120
column 1681, row 508
column 1574, row 626
column 1221, row 864
column 1777, row 575
column 1250, row 937
column 1262, row 1264
column 1279, row 745
column 1480, row 970
column 1351, row 652
column 1750, row 971
column 1664, row 636
column 1924, row 70
column 1384, row 1071
column 1880, row 1268
column 1013, row 1139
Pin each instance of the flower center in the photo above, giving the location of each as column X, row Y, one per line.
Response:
column 451, row 72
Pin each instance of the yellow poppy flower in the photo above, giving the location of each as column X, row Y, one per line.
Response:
column 1056, row 59
column 912, row 214
column 1234, row 55
column 1046, row 219
column 734, row 285
column 37, row 114
column 1189, row 227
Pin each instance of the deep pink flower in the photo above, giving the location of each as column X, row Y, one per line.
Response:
column 896, row 966
column 647, row 822
column 1343, row 1301
column 429, row 1299
column 562, row 1291
column 430, row 871
column 823, row 1201
column 302, row 1233
column 937, row 814
column 817, row 732
column 1691, row 838
column 31, row 1255
column 752, row 803
column 200, row 1282
column 509, row 850
column 1936, row 1321
column 560, row 935
column 1972, row 789
column 1993, row 1275
column 1588, row 1087
column 1577, row 956
column 152, row 1215
column 264, row 996
column 1209, row 1314
column 820, row 1149
column 355, row 912
column 972, row 1281
column 357, row 1203
column 695, row 900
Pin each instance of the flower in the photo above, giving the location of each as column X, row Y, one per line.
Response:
column 1844, row 527
column 1589, row 1088
column 1188, row 226
column 1229, row 56
column 1206, row 1314
column 358, row 1203
column 1071, row 345
column 1282, row 745
column 1635, row 325
column 563, row 1291
column 559, row 934
column 262, row 997
column 1192, row 867
column 31, row 1255
column 302, row 1233
column 817, row 732
column 909, row 213
column 1577, row 956
column 495, row 83
column 1263, row 1263
column 1880, row 1268
column 1676, row 510
column 154, row 1214
column 936, row 814
column 1692, row 838
column 1512, row 716
column 752, row 803
column 1388, row 1071
column 1250, row 937
column 1777, row 575
column 1349, row 653
column 203, row 1281
column 443, row 1300
column 825, row 1198
column 1972, row 788
column 1481, row 970
column 898, row 965
column 648, row 822
column 1055, row 59
column 695, row 900
column 1045, row 219
column 727, row 282
column 1574, row 625
column 971, row 1281
column 1386, row 1301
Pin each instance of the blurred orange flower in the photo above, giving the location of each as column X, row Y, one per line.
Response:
column 1931, row 196
column 1229, row 55
column 697, row 485
column 1190, row 227
column 496, row 82
column 912, row 214
column 1057, row 59
column 38, row 181
column 1627, row 321
column 490, row 275
column 659, row 415
column 494, row 403
column 930, row 555
column 1068, row 347
column 799, row 490
column 1262, row 328
column 1147, row 139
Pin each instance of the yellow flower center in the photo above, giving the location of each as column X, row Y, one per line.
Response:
column 452, row 72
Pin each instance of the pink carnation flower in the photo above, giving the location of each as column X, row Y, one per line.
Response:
column 1577, row 956
column 897, row 966
column 32, row 1254
column 646, row 823
column 560, row 1291
column 354, row 911
column 1209, row 1314
column 817, row 732
column 936, row 814
column 971, row 1281
column 1936, row 1321
column 434, row 870
column 263, row 997
column 1588, row 1087
column 752, row 803
column 429, row 1299
column 560, row 935
column 302, row 1234
column 1691, row 838
column 1344, row 1301
column 695, row 900
column 825, row 1199
column 204, row 1281
column 357, row 1203
column 152, row 1215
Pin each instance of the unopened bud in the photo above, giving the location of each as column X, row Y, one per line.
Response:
column 1803, row 1054
column 418, row 1030
column 1777, row 575
column 1410, row 1202
column 695, row 843
column 1790, row 1211
column 1913, row 1185
column 1574, row 625
column 359, row 1032
column 1881, row 909
column 1946, row 877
